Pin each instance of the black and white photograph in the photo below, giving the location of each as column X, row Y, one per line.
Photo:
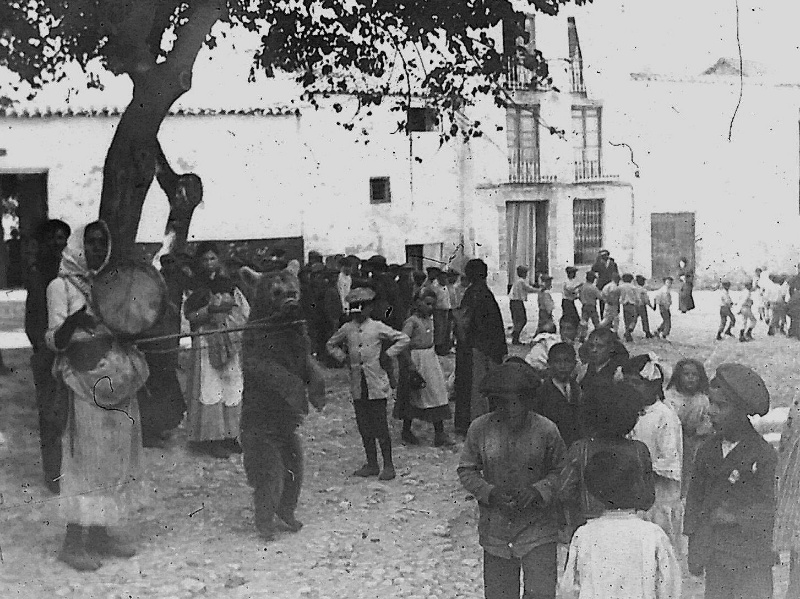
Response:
column 366, row 299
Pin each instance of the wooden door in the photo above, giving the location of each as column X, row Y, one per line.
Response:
column 672, row 237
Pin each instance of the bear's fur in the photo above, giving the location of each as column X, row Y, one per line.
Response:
column 280, row 377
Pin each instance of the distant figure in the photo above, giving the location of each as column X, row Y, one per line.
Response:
column 605, row 267
column 726, row 318
column 686, row 277
column 516, row 303
column 14, row 246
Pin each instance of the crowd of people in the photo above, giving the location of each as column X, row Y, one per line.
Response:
column 577, row 442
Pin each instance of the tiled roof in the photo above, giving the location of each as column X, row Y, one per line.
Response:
column 34, row 110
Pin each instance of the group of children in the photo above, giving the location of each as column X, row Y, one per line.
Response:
column 606, row 460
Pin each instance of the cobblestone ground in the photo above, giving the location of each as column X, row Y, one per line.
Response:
column 413, row 537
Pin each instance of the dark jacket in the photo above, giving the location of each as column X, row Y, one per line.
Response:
column 744, row 484
column 552, row 404
column 604, row 272
column 483, row 323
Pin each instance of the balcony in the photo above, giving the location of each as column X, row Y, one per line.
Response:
column 577, row 85
column 527, row 172
column 591, row 170
column 518, row 77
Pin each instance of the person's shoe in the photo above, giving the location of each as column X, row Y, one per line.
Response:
column 100, row 543
column 150, row 442
column 53, row 485
column 387, row 473
column 290, row 523
column 719, row 337
column 648, row 335
column 741, row 337
column 443, row 441
column 78, row 559
column 267, row 533
column 729, row 334
column 628, row 337
column 217, row 449
column 749, row 335
column 367, row 470
column 409, row 438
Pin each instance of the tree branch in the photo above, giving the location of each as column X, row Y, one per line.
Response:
column 184, row 192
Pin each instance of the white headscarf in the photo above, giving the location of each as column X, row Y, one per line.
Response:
column 73, row 261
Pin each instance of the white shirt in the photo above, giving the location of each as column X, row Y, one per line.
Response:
column 620, row 556
column 660, row 429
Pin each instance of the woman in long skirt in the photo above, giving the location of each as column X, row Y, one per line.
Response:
column 686, row 276
column 415, row 401
column 215, row 380
column 102, row 445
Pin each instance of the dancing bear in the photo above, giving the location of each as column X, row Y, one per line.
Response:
column 280, row 378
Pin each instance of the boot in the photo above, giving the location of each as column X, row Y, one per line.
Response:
column 100, row 543
column 749, row 335
column 741, row 336
column 409, row 438
column 264, row 516
column 387, row 473
column 73, row 552
column 442, row 440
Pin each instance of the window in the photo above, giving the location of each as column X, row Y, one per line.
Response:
column 587, row 136
column 522, row 127
column 379, row 192
column 587, row 223
column 421, row 120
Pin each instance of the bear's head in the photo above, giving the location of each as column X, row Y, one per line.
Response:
column 274, row 294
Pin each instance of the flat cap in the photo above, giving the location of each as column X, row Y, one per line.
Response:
column 511, row 377
column 360, row 295
column 744, row 386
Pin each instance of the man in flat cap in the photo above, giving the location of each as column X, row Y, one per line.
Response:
column 730, row 507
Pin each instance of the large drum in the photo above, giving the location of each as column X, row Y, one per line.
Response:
column 129, row 298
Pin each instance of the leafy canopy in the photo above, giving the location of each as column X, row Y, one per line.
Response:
column 438, row 49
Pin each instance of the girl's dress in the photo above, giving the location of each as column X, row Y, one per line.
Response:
column 685, row 297
column 787, row 519
column 431, row 402
column 660, row 429
column 692, row 411
column 215, row 377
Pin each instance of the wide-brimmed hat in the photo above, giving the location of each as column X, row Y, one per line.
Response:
column 744, row 387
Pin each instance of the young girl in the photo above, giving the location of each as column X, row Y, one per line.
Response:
column 660, row 429
column 609, row 415
column 687, row 394
column 618, row 554
column 428, row 403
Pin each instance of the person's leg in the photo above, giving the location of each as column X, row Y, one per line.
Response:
column 407, row 435
column 667, row 316
column 371, row 451
column 440, row 438
column 732, row 322
column 645, row 321
column 629, row 318
column 539, row 572
column 500, row 577
column 463, row 388
column 388, row 472
column 384, row 440
column 50, row 423
column 516, row 307
column 723, row 320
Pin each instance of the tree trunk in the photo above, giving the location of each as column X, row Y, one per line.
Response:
column 135, row 155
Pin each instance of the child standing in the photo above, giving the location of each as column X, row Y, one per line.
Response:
column 610, row 301
column 629, row 298
column 516, row 303
column 369, row 383
column 617, row 554
column 428, row 402
column 726, row 318
column 589, row 295
column 570, row 292
column 660, row 429
column 642, row 305
column 510, row 463
column 730, row 508
column 663, row 302
column 746, row 311
column 559, row 397
column 546, row 305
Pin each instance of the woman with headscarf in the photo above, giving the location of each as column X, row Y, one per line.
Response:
column 215, row 379
column 102, row 444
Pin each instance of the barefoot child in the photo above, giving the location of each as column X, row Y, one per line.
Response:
column 617, row 555
column 730, row 508
column 510, row 463
column 369, row 383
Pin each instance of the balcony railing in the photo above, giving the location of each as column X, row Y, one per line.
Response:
column 517, row 76
column 527, row 172
column 591, row 170
column 577, row 85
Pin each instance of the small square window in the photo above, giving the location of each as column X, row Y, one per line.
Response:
column 379, row 191
column 421, row 119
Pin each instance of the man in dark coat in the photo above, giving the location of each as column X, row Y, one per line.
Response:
column 51, row 238
column 481, row 332
column 605, row 267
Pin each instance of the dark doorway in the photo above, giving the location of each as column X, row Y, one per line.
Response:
column 672, row 237
column 24, row 196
